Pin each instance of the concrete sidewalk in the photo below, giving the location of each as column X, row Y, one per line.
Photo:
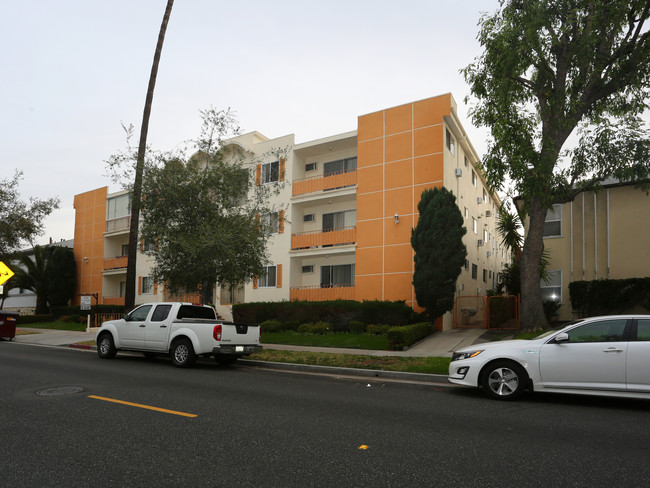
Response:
column 441, row 344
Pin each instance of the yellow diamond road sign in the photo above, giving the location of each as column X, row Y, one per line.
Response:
column 5, row 273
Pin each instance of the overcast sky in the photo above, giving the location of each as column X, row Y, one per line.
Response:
column 74, row 70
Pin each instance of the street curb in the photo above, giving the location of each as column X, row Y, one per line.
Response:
column 310, row 368
column 365, row 373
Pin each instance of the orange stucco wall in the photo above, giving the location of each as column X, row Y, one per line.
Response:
column 90, row 224
column 400, row 153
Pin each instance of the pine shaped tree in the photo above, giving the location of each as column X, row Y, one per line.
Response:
column 439, row 251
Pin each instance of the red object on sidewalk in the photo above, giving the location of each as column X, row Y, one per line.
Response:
column 8, row 322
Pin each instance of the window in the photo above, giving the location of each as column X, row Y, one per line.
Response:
column 552, row 291
column 474, row 180
column 268, row 277
column 270, row 221
column 466, row 213
column 341, row 166
column 271, row 172
column 125, row 250
column 451, row 144
column 147, row 284
column 118, row 207
column 160, row 313
column 474, row 271
column 231, row 294
column 643, row 330
column 602, row 331
column 466, row 162
column 339, row 220
column 485, row 275
column 308, row 269
column 195, row 312
column 553, row 222
column 308, row 218
column 484, row 196
column 485, row 236
column 474, row 225
column 122, row 289
column 466, row 264
column 310, row 167
column 337, row 275
column 149, row 246
column 140, row 314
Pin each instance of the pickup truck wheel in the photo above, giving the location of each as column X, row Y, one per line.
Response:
column 106, row 346
column 182, row 353
column 223, row 360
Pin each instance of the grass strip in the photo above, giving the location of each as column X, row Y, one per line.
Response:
column 56, row 325
column 431, row 365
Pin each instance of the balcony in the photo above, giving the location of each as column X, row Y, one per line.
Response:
column 115, row 263
column 321, row 183
column 308, row 240
column 322, row 293
column 118, row 225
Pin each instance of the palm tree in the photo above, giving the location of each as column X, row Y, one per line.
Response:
column 129, row 296
column 32, row 275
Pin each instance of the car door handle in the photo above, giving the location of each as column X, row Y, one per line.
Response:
column 163, row 326
column 143, row 325
column 613, row 349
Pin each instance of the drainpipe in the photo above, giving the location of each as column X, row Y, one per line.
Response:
column 607, row 224
column 595, row 238
column 583, row 235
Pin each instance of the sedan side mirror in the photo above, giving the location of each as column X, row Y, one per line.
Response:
column 562, row 337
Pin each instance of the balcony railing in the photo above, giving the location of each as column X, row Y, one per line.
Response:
column 307, row 240
column 322, row 293
column 115, row 263
column 320, row 183
column 114, row 225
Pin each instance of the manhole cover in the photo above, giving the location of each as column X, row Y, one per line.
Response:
column 60, row 390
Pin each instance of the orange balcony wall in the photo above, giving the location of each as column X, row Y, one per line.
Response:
column 318, row 294
column 113, row 263
column 320, row 183
column 306, row 240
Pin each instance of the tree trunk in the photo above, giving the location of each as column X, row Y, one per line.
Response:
column 532, row 310
column 129, row 296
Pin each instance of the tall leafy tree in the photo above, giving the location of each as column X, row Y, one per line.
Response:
column 129, row 295
column 202, row 213
column 439, row 251
column 20, row 221
column 552, row 69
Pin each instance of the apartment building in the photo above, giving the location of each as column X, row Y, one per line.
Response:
column 349, row 203
column 599, row 235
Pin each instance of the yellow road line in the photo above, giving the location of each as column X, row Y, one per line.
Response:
column 139, row 405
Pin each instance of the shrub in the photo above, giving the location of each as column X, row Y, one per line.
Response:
column 34, row 319
column 602, row 297
column 401, row 337
column 377, row 329
column 318, row 328
column 550, row 309
column 337, row 312
column 356, row 327
column 272, row 326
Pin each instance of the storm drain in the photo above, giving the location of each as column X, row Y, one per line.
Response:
column 60, row 390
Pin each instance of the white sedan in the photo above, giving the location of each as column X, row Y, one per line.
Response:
column 607, row 355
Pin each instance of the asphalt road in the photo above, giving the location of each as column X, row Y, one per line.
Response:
column 254, row 427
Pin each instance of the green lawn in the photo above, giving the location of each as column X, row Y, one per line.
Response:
column 353, row 341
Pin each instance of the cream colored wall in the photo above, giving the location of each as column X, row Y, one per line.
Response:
column 602, row 238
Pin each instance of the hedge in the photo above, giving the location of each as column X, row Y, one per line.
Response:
column 35, row 319
column 602, row 297
column 401, row 337
column 339, row 313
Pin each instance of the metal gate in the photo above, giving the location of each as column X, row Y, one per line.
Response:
column 483, row 312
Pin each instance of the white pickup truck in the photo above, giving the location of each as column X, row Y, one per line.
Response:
column 183, row 330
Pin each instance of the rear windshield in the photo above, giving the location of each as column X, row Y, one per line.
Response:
column 195, row 312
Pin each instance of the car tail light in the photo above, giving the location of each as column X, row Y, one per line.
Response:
column 216, row 333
